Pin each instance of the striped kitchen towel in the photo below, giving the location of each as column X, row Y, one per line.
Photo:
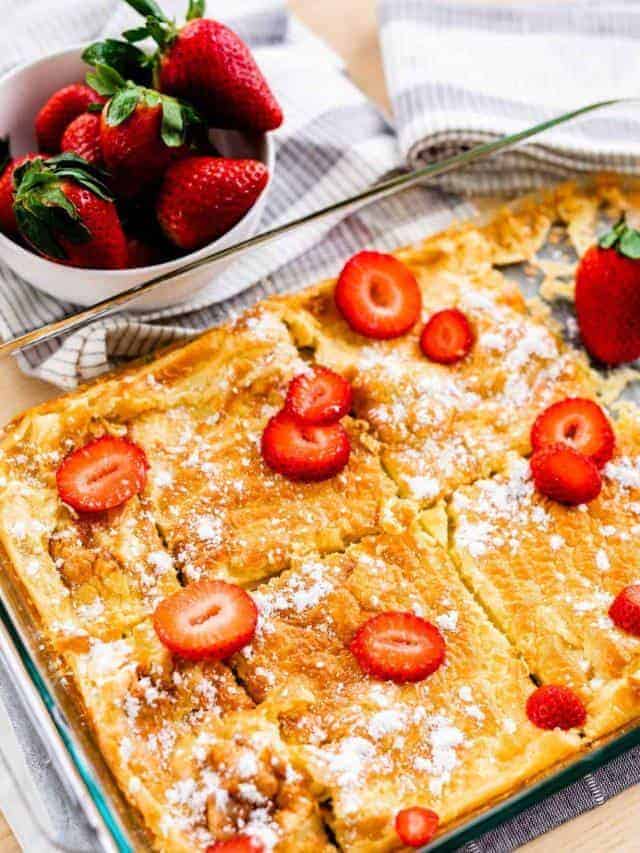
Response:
column 333, row 143
column 461, row 73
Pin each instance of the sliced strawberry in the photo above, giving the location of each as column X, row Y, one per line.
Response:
column 579, row 423
column 447, row 337
column 398, row 646
column 564, row 475
column 378, row 295
column 625, row 610
column 416, row 826
column 239, row 844
column 303, row 451
column 101, row 475
column 208, row 619
column 555, row 707
column 319, row 396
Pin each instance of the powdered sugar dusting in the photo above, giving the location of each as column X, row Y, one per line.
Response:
column 625, row 471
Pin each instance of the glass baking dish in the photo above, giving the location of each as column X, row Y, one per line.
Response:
column 104, row 819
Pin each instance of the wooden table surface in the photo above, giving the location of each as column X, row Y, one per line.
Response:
column 349, row 26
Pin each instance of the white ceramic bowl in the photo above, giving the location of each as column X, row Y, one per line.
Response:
column 22, row 93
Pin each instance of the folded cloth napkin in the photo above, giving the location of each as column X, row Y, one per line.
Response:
column 333, row 143
column 463, row 73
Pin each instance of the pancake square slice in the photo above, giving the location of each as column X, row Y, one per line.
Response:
column 445, row 425
column 455, row 740
column 548, row 574
column 210, row 508
column 190, row 752
column 88, row 578
column 221, row 510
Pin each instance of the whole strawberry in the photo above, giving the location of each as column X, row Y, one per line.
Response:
column 211, row 67
column 59, row 111
column 608, row 296
column 64, row 210
column 8, row 224
column 141, row 131
column 201, row 198
column 82, row 137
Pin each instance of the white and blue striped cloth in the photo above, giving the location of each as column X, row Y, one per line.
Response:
column 334, row 143
column 462, row 73
column 458, row 74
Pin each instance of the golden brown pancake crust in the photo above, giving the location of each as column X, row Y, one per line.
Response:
column 433, row 514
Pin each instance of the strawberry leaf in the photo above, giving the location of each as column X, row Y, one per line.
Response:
column 122, row 105
column 33, row 226
column 161, row 32
column 135, row 34
column 147, row 8
column 624, row 239
column 44, row 213
column 105, row 80
column 68, row 165
column 172, row 129
column 196, row 9
column 152, row 98
column 127, row 59
column 31, row 175
column 629, row 244
column 608, row 240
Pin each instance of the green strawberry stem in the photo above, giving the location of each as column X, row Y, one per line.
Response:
column 624, row 239
column 158, row 27
column 125, row 96
column 42, row 210
column 196, row 9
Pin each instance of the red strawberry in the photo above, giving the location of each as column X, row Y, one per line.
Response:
column 398, row 646
column 416, row 826
column 625, row 610
column 201, row 198
column 555, row 707
column 239, row 844
column 579, row 423
column 319, row 396
column 8, row 224
column 101, row 475
column 67, row 214
column 211, row 67
column 608, row 296
column 208, row 619
column 141, row 131
column 378, row 295
column 564, row 475
column 447, row 337
column 141, row 254
column 82, row 137
column 59, row 111
column 302, row 451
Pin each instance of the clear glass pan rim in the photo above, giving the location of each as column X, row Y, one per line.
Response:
column 116, row 825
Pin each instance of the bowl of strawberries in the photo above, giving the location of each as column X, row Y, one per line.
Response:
column 120, row 163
